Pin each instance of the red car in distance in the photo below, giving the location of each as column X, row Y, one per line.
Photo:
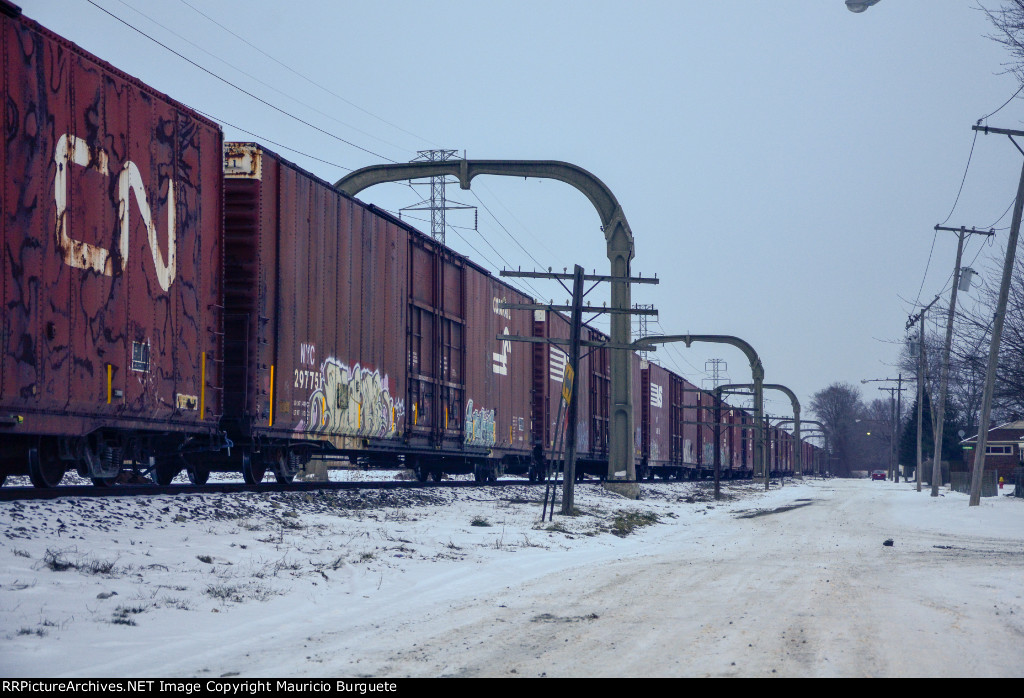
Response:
column 878, row 475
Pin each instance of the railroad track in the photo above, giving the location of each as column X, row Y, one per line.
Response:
column 10, row 494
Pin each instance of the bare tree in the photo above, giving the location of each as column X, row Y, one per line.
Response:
column 1008, row 22
column 874, row 436
column 967, row 362
column 839, row 407
column 972, row 345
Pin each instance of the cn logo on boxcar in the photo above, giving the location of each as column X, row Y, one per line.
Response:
column 83, row 255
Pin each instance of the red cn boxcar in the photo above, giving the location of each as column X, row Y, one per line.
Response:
column 111, row 266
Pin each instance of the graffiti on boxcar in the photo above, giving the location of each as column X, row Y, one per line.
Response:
column 582, row 436
column 83, row 255
column 688, row 451
column 351, row 401
column 480, row 429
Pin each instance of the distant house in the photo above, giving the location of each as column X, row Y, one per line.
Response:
column 1002, row 452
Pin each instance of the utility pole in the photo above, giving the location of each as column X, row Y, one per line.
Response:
column 574, row 343
column 920, row 382
column 997, row 327
column 944, row 377
column 895, row 395
column 575, row 326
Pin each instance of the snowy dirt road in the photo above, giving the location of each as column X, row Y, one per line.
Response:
column 792, row 582
column 804, row 591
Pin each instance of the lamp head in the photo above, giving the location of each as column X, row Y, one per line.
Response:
column 858, row 6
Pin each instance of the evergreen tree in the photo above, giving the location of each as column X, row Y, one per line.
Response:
column 908, row 441
column 951, row 450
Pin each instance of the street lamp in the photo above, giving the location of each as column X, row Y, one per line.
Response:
column 859, row 6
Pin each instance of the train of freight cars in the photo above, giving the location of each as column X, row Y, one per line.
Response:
column 175, row 303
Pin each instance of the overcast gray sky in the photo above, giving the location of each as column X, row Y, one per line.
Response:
column 781, row 164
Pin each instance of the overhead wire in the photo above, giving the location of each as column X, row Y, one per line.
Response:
column 272, row 142
column 502, row 226
column 304, row 77
column 526, row 229
column 299, row 74
column 303, row 121
column 962, row 179
column 237, row 87
column 993, row 226
column 256, row 79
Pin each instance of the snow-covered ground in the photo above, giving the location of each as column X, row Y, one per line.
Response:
column 469, row 582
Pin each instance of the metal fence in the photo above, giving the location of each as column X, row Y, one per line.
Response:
column 961, row 482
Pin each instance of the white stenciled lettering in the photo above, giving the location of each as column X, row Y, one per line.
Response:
column 503, row 312
column 307, row 354
column 656, row 395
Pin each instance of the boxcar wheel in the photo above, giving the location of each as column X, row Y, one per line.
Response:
column 253, row 469
column 165, row 470
column 197, row 475
column 45, row 469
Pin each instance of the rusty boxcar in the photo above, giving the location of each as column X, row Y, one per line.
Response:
column 111, row 266
column 655, row 417
column 350, row 332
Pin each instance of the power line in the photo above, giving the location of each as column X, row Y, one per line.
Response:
column 240, row 89
column 1014, row 199
column 304, row 77
column 510, row 235
column 963, row 179
column 258, row 80
column 927, row 266
column 525, row 228
column 1004, row 103
column 272, row 142
column 300, row 120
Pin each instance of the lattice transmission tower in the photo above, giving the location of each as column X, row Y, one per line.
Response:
column 717, row 369
column 438, row 202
